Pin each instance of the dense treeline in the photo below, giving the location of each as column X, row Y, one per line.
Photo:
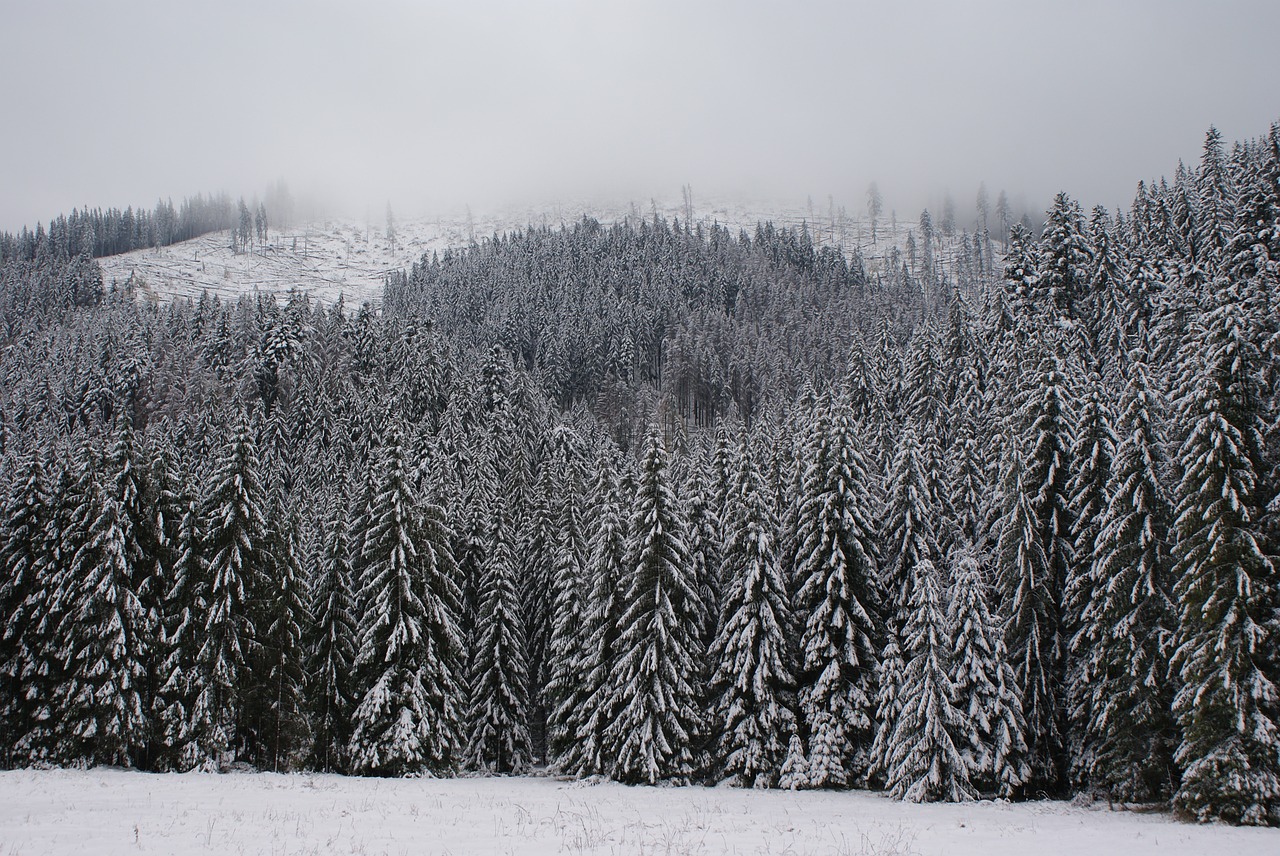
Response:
column 48, row 271
column 660, row 503
column 96, row 232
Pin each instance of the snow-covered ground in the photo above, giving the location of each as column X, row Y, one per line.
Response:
column 352, row 257
column 116, row 812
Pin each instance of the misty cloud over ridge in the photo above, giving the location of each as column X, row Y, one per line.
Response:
column 431, row 105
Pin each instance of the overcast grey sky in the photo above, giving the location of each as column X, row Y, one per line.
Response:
column 430, row 104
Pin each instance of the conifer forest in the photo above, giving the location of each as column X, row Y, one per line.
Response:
column 658, row 501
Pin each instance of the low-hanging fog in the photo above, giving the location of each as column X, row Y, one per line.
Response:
column 429, row 105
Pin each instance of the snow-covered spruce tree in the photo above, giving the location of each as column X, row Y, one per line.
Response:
column 1030, row 611
column 794, row 775
column 994, row 746
column 1108, row 321
column 1122, row 697
column 536, row 556
column 360, row 524
column 923, row 382
column 497, row 713
column 43, row 659
column 1228, row 706
column 142, row 480
column 1022, row 273
column 279, row 688
column 890, row 673
column 234, row 543
column 566, row 684
column 1092, row 455
column 408, row 717
column 705, row 535
column 105, row 638
column 1009, row 753
column 592, row 750
column 969, row 485
column 1215, row 197
column 1034, row 577
column 724, row 469
column 22, row 545
column 787, row 470
column 860, row 382
column 1065, row 259
column 887, row 371
column 469, row 478
column 753, row 685
column 837, row 603
column 128, row 471
column 331, row 648
column 184, row 719
column 165, row 499
column 909, row 521
column 926, row 763
column 659, row 724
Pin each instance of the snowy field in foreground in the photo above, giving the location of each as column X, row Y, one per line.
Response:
column 112, row 812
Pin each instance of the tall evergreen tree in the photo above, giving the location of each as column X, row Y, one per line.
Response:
column 926, row 762
column 498, row 708
column 982, row 681
column 1092, row 454
column 1030, row 627
column 105, row 638
column 1228, row 706
column 566, row 687
column 1064, row 261
column 1215, row 197
column 1035, row 577
column 537, row 556
column 890, row 674
column 279, row 689
column 184, row 717
column 234, row 543
column 753, row 686
column 22, row 545
column 910, row 533
column 837, row 602
column 593, row 750
column 43, row 656
column 164, row 501
column 706, row 545
column 968, row 482
column 1122, row 697
column 331, row 649
column 408, row 717
column 659, row 723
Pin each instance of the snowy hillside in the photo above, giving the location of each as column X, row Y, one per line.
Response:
column 113, row 812
column 350, row 257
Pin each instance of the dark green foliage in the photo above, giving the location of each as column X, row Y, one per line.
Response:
column 230, row 527
column 1121, row 698
column 331, row 649
column 1226, row 585
column 409, row 710
column 659, row 724
column 753, row 683
column 497, row 722
column 837, row 601
column 22, row 547
column 235, row 546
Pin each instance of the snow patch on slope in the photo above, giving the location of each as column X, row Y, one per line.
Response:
column 351, row 258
